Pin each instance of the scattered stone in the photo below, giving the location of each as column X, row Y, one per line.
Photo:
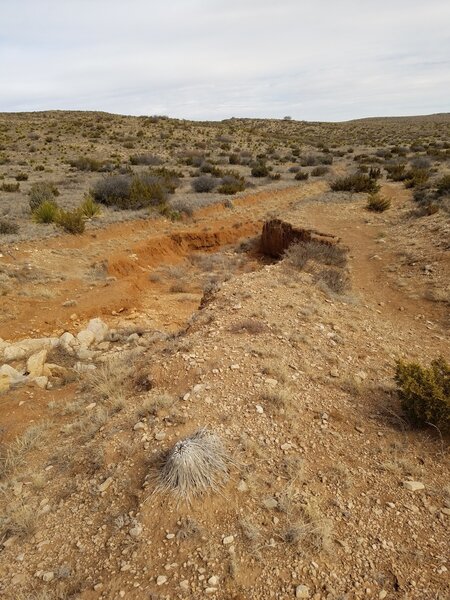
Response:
column 302, row 591
column 86, row 337
column 382, row 594
column 136, row 531
column 213, row 581
column 270, row 503
column 271, row 382
column 160, row 435
column 228, row 540
column 98, row 328
column 98, row 587
column 139, row 425
column 413, row 486
column 35, row 364
column 242, row 486
column 259, row 409
column 184, row 585
column 49, row 576
column 41, row 382
column 19, row 579
column 161, row 579
column 105, row 485
column 69, row 303
column 333, row 373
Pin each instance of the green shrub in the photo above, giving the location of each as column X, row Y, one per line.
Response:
column 42, row 191
column 130, row 191
column 10, row 187
column 45, row 212
column 357, row 182
column 301, row 176
column 377, row 203
column 260, row 170
column 6, row 227
column 71, row 221
column 425, row 392
column 89, row 208
column 231, row 183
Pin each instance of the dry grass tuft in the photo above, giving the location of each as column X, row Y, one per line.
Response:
column 12, row 456
column 194, row 466
column 112, row 379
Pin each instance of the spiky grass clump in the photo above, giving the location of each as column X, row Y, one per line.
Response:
column 196, row 465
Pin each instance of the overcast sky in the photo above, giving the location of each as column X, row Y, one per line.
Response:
column 213, row 59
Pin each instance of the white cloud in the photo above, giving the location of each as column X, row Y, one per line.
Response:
column 209, row 59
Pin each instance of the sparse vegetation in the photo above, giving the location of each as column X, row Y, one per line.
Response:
column 377, row 203
column 42, row 191
column 358, row 182
column 425, row 393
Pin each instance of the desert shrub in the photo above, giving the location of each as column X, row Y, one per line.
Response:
column 234, row 159
column 71, row 221
column 421, row 162
column 374, row 173
column 207, row 167
column 86, row 163
column 301, row 176
column 334, row 280
column 231, row 183
column 416, row 177
column 6, row 227
column 145, row 159
column 89, row 208
column 424, row 392
column 194, row 466
column 357, row 182
column 327, row 254
column 377, row 203
column 130, row 191
column 396, row 172
column 21, row 177
column 42, row 191
column 260, row 170
column 204, row 184
column 443, row 186
column 275, row 176
column 319, row 171
column 45, row 212
column 10, row 187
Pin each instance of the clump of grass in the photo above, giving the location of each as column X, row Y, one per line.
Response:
column 358, row 182
column 196, row 465
column 132, row 191
column 231, row 183
column 249, row 326
column 21, row 176
column 377, row 203
column 72, row 221
column 112, row 379
column 425, row 392
column 145, row 159
column 45, row 212
column 277, row 398
column 89, row 207
column 42, row 191
column 86, row 163
column 7, row 227
column 13, row 455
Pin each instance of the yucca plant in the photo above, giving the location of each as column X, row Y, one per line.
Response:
column 46, row 212
column 377, row 203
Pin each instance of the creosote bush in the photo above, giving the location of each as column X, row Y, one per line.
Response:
column 10, row 187
column 194, row 466
column 425, row 392
column 358, row 182
column 301, row 176
column 260, row 170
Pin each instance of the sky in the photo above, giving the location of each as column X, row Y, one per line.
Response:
column 322, row 60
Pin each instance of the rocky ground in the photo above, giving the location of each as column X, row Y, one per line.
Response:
column 330, row 494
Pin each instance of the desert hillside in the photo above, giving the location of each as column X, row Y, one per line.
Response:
column 202, row 329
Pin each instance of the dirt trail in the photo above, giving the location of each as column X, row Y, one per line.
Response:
column 106, row 272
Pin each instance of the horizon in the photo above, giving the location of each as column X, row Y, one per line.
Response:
column 249, row 59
